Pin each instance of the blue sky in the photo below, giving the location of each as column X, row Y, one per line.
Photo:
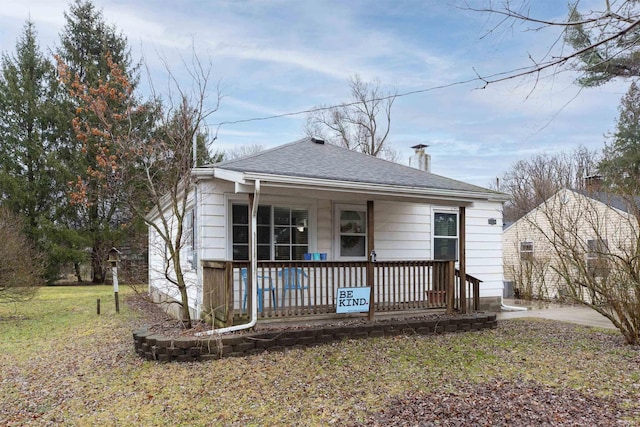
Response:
column 281, row 56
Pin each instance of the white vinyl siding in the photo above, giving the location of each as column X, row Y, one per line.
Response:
column 583, row 217
column 402, row 231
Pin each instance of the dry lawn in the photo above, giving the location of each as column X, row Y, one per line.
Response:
column 61, row 364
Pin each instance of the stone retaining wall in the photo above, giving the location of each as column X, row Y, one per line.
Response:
column 189, row 349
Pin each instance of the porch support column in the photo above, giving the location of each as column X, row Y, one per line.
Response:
column 370, row 248
column 451, row 285
column 463, row 259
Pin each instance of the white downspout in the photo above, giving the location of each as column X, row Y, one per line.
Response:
column 254, row 271
column 505, row 307
column 194, row 255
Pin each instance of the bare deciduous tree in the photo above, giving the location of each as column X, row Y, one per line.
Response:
column 529, row 274
column 530, row 182
column 242, row 151
column 148, row 165
column 361, row 124
column 589, row 241
column 22, row 266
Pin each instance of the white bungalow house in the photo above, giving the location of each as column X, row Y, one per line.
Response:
column 571, row 244
column 326, row 218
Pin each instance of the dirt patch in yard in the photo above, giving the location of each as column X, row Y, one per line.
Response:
column 524, row 394
column 500, row 403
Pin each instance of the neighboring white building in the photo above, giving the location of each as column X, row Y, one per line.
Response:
column 571, row 238
column 317, row 198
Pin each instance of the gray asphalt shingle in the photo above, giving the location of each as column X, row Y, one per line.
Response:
column 307, row 158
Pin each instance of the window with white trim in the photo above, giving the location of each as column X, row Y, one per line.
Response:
column 282, row 232
column 526, row 251
column 445, row 236
column 596, row 257
column 188, row 225
column 351, row 231
column 188, row 234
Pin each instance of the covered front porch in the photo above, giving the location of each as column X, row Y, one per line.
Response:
column 297, row 289
column 373, row 226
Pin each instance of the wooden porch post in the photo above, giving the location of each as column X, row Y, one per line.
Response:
column 463, row 259
column 228, row 272
column 370, row 248
column 451, row 285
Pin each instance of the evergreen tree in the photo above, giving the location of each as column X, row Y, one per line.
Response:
column 89, row 48
column 606, row 44
column 25, row 92
column 30, row 183
column 621, row 164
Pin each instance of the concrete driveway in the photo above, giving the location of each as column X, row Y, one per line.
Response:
column 563, row 313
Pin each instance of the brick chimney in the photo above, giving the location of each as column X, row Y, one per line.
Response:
column 593, row 183
column 420, row 159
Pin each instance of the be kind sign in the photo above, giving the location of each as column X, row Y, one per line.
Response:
column 353, row 300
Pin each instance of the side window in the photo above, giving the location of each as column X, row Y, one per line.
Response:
column 445, row 236
column 526, row 251
column 596, row 257
column 351, row 231
column 188, row 230
column 188, row 233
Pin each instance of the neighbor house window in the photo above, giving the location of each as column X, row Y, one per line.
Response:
column 188, row 234
column 282, row 232
column 596, row 260
column 188, row 225
column 445, row 236
column 351, row 231
column 526, row 251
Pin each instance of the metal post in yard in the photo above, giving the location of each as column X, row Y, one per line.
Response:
column 114, row 257
column 114, row 274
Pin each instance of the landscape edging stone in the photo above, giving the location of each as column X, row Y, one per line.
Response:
column 155, row 347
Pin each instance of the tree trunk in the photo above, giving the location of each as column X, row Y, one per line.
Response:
column 76, row 266
column 96, row 266
column 186, row 315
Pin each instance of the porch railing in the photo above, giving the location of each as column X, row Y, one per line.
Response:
column 299, row 288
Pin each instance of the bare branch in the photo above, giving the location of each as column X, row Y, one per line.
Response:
column 604, row 44
column 363, row 124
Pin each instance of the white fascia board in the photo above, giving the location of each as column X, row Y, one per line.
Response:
column 218, row 173
column 369, row 188
column 241, row 184
column 227, row 175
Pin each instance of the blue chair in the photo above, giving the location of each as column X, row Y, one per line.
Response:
column 262, row 281
column 293, row 279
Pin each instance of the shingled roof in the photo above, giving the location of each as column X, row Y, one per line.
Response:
column 621, row 203
column 312, row 158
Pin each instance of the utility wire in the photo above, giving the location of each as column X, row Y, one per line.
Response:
column 346, row 104
column 494, row 78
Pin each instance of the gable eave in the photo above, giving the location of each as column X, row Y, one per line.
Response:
column 331, row 185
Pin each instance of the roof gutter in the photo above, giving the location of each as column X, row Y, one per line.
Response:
column 288, row 181
column 372, row 188
column 254, row 270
